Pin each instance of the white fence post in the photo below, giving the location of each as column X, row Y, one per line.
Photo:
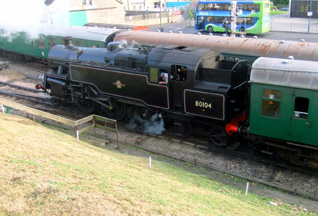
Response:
column 2, row 108
column 247, row 185
column 77, row 135
column 150, row 162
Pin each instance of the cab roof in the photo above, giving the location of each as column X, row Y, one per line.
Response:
column 182, row 55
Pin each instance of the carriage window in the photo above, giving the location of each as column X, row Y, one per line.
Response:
column 77, row 43
column 271, row 103
column 179, row 72
column 52, row 42
column 154, row 75
column 271, row 94
column 41, row 44
column 301, row 108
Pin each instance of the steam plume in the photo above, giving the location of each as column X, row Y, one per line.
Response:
column 22, row 15
column 153, row 125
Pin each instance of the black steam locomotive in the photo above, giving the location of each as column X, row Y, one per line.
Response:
column 192, row 88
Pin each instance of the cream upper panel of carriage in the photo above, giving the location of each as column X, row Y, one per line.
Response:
column 285, row 72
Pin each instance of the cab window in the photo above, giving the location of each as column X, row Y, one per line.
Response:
column 163, row 77
column 154, row 75
column 179, row 72
column 271, row 103
column 160, row 76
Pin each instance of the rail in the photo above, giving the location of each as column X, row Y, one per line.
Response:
column 97, row 121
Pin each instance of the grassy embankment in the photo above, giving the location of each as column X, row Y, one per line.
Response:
column 47, row 172
column 273, row 13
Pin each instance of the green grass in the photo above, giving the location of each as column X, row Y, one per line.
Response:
column 273, row 13
column 47, row 172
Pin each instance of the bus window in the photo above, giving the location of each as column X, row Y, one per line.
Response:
column 256, row 7
column 200, row 7
column 209, row 19
column 207, row 7
column 246, row 21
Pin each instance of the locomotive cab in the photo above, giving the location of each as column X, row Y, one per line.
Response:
column 201, row 82
column 219, row 90
column 203, row 86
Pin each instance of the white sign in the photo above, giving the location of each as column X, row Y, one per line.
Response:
column 309, row 13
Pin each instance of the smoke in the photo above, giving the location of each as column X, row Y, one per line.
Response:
column 20, row 12
column 59, row 12
column 22, row 15
column 153, row 125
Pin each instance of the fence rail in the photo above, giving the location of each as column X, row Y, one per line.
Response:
column 97, row 121
column 294, row 27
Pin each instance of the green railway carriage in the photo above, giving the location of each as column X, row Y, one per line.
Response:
column 48, row 35
column 20, row 43
column 284, row 100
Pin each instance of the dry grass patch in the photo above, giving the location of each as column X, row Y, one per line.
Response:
column 10, row 74
column 46, row 172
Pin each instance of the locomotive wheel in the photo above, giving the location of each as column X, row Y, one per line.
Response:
column 55, row 101
column 86, row 106
column 118, row 112
column 218, row 137
column 182, row 129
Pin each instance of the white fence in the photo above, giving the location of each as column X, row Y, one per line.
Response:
column 295, row 27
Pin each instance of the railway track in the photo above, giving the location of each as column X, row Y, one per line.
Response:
column 38, row 97
column 20, row 87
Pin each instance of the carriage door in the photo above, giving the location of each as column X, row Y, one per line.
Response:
column 178, row 78
column 301, row 125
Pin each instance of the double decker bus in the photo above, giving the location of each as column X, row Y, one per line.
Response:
column 253, row 17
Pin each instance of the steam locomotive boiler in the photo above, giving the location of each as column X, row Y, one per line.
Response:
column 183, row 85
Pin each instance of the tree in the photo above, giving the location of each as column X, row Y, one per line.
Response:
column 280, row 2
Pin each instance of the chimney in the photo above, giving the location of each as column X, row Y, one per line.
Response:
column 67, row 41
